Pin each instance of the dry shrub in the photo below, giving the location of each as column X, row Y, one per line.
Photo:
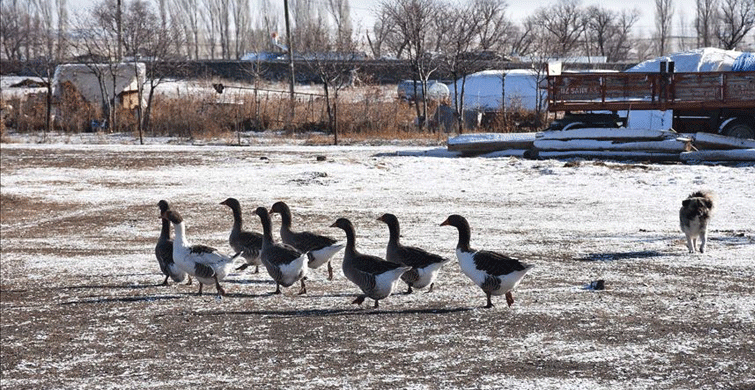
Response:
column 514, row 121
column 27, row 114
column 73, row 113
column 369, row 116
column 188, row 118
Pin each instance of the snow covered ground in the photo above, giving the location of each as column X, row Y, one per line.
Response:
column 82, row 306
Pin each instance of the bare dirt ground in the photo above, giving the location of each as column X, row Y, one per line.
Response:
column 82, row 306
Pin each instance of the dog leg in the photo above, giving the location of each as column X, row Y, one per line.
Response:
column 703, row 240
column 690, row 246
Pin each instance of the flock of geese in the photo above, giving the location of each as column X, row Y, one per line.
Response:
column 287, row 262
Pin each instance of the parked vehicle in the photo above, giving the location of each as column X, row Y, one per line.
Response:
column 436, row 90
column 720, row 102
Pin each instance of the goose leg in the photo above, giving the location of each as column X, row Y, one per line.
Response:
column 509, row 298
column 165, row 282
column 242, row 267
column 277, row 289
column 330, row 271
column 431, row 287
column 376, row 304
column 303, row 289
column 189, row 282
column 359, row 300
column 217, row 286
column 200, row 288
column 257, row 269
column 490, row 303
column 409, row 291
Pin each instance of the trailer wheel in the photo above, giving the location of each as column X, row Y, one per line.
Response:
column 740, row 129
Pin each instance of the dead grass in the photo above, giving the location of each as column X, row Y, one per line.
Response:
column 362, row 114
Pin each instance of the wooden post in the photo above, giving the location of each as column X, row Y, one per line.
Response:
column 289, row 42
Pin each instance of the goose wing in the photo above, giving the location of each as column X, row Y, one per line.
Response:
column 308, row 241
column 207, row 255
column 496, row 264
column 250, row 243
column 374, row 265
column 282, row 254
column 418, row 257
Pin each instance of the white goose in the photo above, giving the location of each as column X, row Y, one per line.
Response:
column 205, row 263
column 285, row 264
column 319, row 248
column 164, row 251
column 374, row 276
column 495, row 273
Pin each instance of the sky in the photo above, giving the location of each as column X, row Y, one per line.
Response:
column 517, row 10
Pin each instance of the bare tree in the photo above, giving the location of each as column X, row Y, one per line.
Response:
column 340, row 11
column 737, row 18
column 210, row 20
column 524, row 36
column 464, row 24
column 705, row 21
column 18, row 30
column 609, row 32
column 242, row 26
column 684, row 38
column 99, row 40
column 563, row 25
column 664, row 12
column 188, row 14
column 412, row 20
column 386, row 40
column 62, row 30
column 495, row 28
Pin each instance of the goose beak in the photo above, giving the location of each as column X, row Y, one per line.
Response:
column 445, row 223
column 223, row 202
column 335, row 225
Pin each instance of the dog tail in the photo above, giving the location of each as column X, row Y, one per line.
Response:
column 706, row 194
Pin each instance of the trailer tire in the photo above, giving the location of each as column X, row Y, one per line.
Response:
column 740, row 128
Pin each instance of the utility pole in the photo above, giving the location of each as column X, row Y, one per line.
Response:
column 289, row 44
column 119, row 26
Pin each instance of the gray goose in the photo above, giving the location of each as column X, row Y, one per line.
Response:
column 164, row 251
column 494, row 273
column 319, row 248
column 285, row 264
column 205, row 263
column 425, row 265
column 373, row 275
column 247, row 242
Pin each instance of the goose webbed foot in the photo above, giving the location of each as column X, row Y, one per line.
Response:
column 242, row 267
column 359, row 300
column 189, row 282
column 220, row 289
column 277, row 289
column 509, row 298
column 165, row 282
column 303, row 289
column 490, row 303
column 431, row 287
column 409, row 291
column 377, row 304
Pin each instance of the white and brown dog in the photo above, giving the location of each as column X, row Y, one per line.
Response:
column 694, row 216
